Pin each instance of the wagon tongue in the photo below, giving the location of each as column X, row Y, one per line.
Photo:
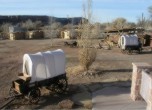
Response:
column 6, row 101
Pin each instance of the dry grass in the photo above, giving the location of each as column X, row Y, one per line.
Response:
column 88, row 106
column 66, row 104
column 74, row 70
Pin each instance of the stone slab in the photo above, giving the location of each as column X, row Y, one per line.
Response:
column 115, row 98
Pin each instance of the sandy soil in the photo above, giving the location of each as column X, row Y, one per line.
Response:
column 110, row 65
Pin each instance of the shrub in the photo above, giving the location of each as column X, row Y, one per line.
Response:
column 86, row 57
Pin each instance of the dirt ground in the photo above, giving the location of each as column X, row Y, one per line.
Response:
column 110, row 66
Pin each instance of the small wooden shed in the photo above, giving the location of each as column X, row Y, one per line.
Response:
column 17, row 35
column 69, row 34
column 65, row 34
column 148, row 38
column 35, row 34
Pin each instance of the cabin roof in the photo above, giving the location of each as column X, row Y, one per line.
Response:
column 123, row 30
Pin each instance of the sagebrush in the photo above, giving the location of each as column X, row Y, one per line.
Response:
column 86, row 57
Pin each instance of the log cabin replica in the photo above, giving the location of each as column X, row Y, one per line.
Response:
column 148, row 36
column 69, row 34
column 17, row 33
column 36, row 34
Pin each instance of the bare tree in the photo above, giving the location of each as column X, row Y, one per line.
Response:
column 72, row 31
column 52, row 30
column 96, row 31
column 87, row 55
column 38, row 24
column 4, row 30
column 5, row 27
column 56, row 25
column 150, row 20
column 131, row 25
column 51, row 33
column 150, row 11
column 119, row 23
column 141, row 21
column 29, row 25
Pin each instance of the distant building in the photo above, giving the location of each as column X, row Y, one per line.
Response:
column 17, row 36
column 65, row 34
column 35, row 34
column 148, row 38
column 69, row 34
column 17, row 33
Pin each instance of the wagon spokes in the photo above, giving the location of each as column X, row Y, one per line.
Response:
column 34, row 95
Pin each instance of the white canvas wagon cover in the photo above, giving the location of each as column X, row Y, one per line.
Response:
column 129, row 40
column 44, row 65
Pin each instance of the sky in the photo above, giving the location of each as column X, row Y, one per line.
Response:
column 103, row 10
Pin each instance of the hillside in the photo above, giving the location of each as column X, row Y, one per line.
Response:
column 44, row 19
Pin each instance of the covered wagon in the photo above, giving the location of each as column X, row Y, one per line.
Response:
column 43, row 69
column 130, row 43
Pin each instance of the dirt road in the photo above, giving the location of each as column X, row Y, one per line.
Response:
column 110, row 65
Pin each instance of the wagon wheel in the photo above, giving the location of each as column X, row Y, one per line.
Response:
column 60, row 86
column 34, row 95
column 139, row 50
column 123, row 51
column 12, row 92
column 129, row 52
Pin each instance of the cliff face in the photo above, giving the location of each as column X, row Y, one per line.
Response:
column 44, row 19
